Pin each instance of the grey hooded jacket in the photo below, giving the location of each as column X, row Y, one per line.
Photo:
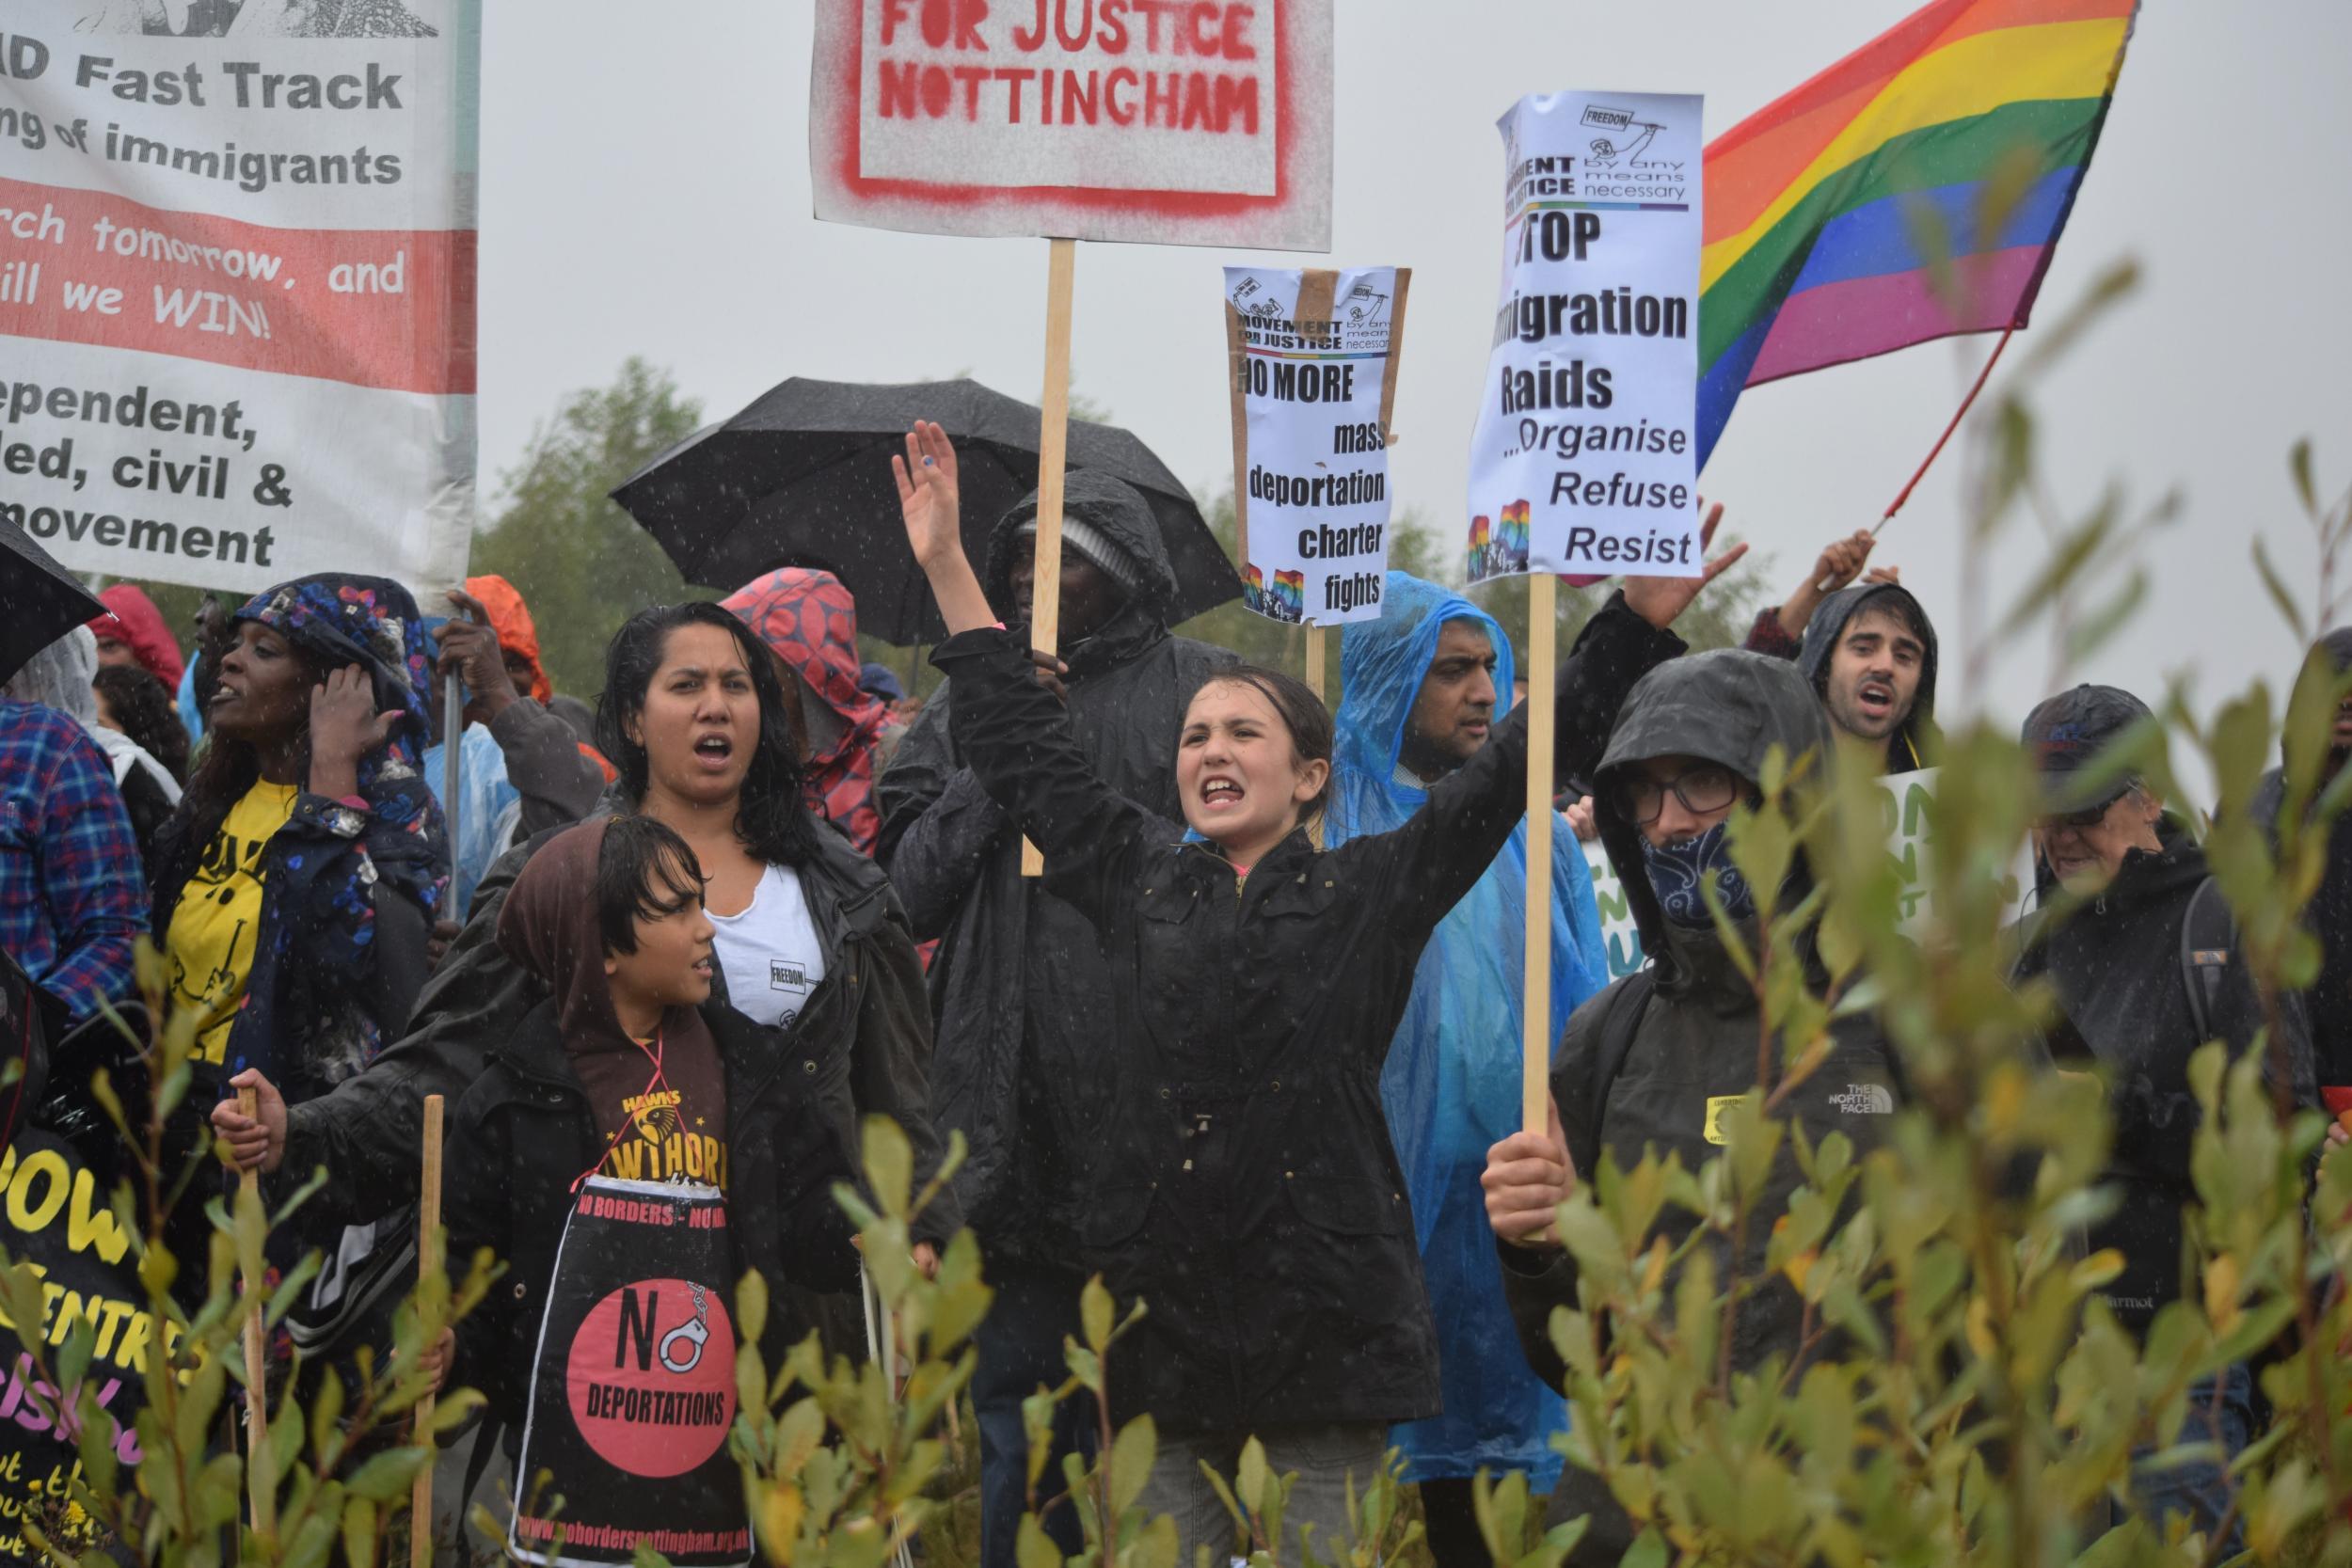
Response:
column 1917, row 737
column 1695, row 1048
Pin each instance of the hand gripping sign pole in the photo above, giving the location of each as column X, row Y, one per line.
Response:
column 428, row 1262
column 1052, row 445
column 261, row 1485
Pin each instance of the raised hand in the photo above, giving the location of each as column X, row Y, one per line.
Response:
column 930, row 506
column 470, row 647
column 929, row 499
column 256, row 1142
column 344, row 728
column 1659, row 600
column 1842, row 560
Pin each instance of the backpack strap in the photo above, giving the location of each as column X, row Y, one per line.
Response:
column 2208, row 938
column 1625, row 1003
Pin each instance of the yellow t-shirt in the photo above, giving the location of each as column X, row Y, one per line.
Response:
column 208, row 949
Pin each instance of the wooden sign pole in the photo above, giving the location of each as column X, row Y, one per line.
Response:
column 259, row 1484
column 1543, row 624
column 428, row 1262
column 1053, row 447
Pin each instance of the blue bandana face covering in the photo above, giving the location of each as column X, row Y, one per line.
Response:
column 1679, row 872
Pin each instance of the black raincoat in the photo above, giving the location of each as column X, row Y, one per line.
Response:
column 1242, row 1181
column 1019, row 992
column 1695, row 1044
column 2328, row 1003
column 1916, row 738
column 2123, row 1000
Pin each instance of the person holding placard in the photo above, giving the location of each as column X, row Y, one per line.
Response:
column 1242, row 1180
column 1420, row 697
column 1654, row 1062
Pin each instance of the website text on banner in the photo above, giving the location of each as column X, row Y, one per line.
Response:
column 1205, row 123
column 1313, row 358
column 1584, row 462
column 237, row 275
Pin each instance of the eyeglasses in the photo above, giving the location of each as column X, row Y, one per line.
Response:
column 1708, row 788
column 2089, row 817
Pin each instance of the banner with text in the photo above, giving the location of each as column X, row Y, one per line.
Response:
column 1163, row 121
column 1583, row 461
column 56, row 1219
column 1312, row 357
column 237, row 269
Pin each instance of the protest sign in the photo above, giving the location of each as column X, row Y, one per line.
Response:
column 634, row 1386
column 1150, row 120
column 55, row 1216
column 1312, row 360
column 238, row 275
column 1583, row 461
column 1619, row 935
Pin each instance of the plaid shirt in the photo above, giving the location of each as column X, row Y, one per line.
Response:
column 72, row 895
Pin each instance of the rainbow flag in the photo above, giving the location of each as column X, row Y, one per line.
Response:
column 1815, row 201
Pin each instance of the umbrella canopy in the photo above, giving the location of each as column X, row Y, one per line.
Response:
column 802, row 478
column 45, row 602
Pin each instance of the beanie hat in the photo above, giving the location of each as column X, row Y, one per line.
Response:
column 1098, row 548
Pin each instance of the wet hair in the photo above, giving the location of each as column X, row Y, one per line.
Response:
column 769, row 818
column 148, row 712
column 1896, row 604
column 1302, row 714
column 644, row 871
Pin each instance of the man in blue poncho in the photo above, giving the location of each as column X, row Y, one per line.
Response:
column 1422, row 688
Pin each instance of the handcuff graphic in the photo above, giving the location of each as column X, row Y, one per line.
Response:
column 696, row 1330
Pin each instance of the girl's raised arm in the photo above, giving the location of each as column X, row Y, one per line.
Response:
column 931, row 507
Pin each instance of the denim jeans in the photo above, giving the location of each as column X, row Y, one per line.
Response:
column 1325, row 1457
column 2200, row 1490
column 1020, row 1343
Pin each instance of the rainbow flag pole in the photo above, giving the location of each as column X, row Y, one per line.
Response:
column 1823, row 206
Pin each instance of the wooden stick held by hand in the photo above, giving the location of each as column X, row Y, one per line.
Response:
column 260, row 1489
column 1052, row 445
column 1543, row 624
column 428, row 1260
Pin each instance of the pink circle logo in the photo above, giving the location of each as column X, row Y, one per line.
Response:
column 651, row 1378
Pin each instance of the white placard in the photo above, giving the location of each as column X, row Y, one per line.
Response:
column 1194, row 124
column 1311, row 460
column 1584, row 462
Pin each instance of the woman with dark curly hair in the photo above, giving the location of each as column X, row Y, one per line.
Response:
column 134, row 703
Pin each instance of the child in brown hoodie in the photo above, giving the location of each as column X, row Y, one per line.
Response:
column 630, row 1154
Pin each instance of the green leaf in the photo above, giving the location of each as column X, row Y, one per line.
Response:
column 1095, row 1313
column 2299, row 465
column 1132, row 1454
column 1249, row 1481
column 388, row 1476
column 359, row 1532
column 1034, row 1548
column 1647, row 1551
column 889, row 1165
column 2288, row 610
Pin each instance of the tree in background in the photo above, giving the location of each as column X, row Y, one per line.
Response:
column 579, row 561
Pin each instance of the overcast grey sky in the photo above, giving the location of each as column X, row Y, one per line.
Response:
column 645, row 191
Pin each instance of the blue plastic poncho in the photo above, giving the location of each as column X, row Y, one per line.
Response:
column 488, row 812
column 1452, row 1082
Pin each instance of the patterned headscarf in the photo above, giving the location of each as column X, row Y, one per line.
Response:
column 372, row 622
column 808, row 618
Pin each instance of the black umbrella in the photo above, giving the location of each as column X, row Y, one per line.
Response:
column 802, row 478
column 45, row 602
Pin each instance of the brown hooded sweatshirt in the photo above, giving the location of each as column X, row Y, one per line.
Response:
column 669, row 1125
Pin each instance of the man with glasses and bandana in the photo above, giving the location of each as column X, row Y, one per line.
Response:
column 1655, row 1061
column 2146, row 971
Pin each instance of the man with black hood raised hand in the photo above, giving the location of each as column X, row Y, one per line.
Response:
column 1019, row 989
column 1653, row 1061
column 1870, row 655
